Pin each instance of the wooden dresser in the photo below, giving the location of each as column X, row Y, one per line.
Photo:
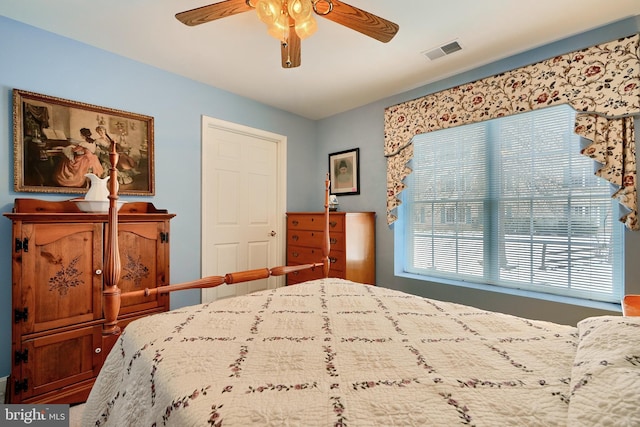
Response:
column 352, row 236
column 57, row 346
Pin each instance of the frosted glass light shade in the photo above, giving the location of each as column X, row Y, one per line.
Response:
column 280, row 28
column 306, row 28
column 300, row 9
column 276, row 17
column 268, row 10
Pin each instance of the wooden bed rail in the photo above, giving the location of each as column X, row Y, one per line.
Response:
column 112, row 295
column 213, row 281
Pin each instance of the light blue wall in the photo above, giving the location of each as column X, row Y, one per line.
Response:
column 364, row 128
column 38, row 61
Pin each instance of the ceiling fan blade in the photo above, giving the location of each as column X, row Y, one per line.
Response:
column 291, row 49
column 357, row 19
column 212, row 12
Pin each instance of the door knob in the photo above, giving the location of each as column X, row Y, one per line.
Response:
column 273, row 233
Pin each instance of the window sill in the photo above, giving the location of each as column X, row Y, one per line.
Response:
column 608, row 306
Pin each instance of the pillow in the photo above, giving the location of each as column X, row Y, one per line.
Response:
column 605, row 378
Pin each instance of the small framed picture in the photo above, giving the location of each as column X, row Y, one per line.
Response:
column 344, row 170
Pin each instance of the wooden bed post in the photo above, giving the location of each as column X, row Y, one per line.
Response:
column 326, row 240
column 112, row 267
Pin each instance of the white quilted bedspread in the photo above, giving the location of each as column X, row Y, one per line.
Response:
column 335, row 353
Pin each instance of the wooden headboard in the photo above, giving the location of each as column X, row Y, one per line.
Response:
column 112, row 295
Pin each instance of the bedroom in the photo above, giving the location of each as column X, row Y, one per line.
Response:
column 85, row 73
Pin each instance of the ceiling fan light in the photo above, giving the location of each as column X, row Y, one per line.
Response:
column 306, row 28
column 279, row 29
column 268, row 10
column 300, row 9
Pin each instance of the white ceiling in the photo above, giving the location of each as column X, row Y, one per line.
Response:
column 341, row 69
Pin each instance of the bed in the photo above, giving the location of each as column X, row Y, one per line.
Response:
column 331, row 352
column 337, row 353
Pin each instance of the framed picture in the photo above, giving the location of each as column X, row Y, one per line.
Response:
column 344, row 170
column 57, row 141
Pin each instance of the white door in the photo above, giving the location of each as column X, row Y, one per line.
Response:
column 243, row 204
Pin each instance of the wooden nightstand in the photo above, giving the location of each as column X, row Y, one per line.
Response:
column 631, row 305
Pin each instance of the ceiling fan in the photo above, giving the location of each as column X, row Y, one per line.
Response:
column 292, row 20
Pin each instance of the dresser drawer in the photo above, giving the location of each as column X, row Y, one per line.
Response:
column 304, row 275
column 314, row 222
column 314, row 239
column 305, row 255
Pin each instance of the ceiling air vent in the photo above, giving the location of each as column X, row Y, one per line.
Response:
column 441, row 51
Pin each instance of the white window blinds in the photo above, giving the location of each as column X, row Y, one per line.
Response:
column 511, row 202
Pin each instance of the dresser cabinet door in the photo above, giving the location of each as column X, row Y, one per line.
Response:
column 59, row 360
column 143, row 250
column 60, row 276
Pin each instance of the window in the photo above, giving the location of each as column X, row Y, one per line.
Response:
column 511, row 202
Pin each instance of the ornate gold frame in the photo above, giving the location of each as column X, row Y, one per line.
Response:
column 46, row 133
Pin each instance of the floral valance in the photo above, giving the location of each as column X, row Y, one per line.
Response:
column 602, row 83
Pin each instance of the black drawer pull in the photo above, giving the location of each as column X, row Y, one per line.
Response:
column 295, row 222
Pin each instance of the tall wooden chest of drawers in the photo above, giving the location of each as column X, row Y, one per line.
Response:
column 352, row 237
